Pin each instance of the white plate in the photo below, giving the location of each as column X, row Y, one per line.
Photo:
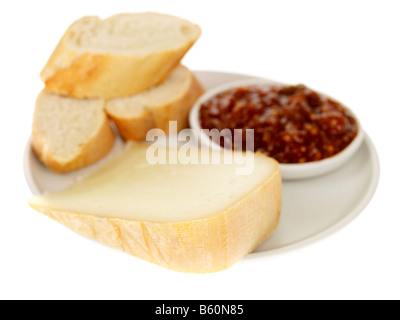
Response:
column 311, row 209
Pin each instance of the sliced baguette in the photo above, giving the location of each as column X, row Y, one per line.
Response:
column 69, row 134
column 188, row 218
column 171, row 100
column 118, row 56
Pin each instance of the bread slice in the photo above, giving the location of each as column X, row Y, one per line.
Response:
column 134, row 116
column 195, row 218
column 118, row 56
column 69, row 134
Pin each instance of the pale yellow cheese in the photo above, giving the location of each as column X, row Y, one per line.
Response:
column 186, row 217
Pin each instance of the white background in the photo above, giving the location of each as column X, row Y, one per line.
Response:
column 349, row 49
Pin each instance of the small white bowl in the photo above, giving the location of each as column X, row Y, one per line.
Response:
column 288, row 171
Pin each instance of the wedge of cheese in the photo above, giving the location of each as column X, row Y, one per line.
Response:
column 195, row 218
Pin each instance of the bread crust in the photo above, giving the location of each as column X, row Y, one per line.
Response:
column 80, row 74
column 95, row 149
column 201, row 246
column 136, row 128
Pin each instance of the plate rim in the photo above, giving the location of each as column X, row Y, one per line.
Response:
column 350, row 217
column 27, row 169
column 342, row 223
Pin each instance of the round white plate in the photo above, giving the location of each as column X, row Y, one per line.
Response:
column 311, row 209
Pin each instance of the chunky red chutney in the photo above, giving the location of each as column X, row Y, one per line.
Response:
column 292, row 124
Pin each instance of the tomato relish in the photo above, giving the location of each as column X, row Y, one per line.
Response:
column 292, row 124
